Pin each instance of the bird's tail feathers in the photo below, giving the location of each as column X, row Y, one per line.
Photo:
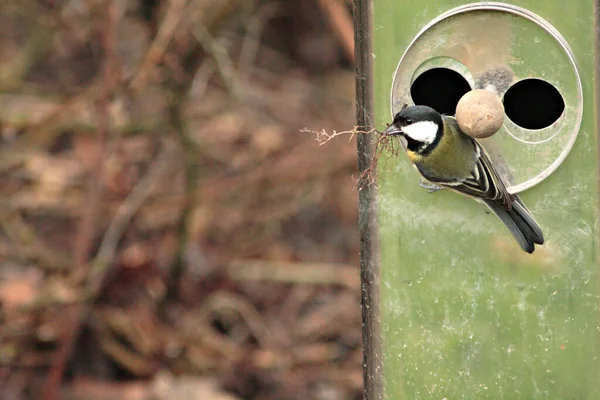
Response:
column 519, row 222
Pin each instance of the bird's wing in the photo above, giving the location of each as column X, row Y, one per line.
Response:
column 484, row 182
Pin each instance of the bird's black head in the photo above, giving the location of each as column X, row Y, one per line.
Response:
column 414, row 114
column 421, row 126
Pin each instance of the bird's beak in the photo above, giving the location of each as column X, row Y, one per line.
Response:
column 392, row 130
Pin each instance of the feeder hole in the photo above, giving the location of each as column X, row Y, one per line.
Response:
column 440, row 89
column 533, row 104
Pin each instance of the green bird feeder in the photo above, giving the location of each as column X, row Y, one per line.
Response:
column 452, row 307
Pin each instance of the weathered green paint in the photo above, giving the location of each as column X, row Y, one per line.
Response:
column 493, row 47
column 464, row 313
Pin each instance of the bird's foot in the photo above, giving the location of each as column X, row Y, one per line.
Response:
column 431, row 187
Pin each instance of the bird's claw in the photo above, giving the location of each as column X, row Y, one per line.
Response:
column 431, row 187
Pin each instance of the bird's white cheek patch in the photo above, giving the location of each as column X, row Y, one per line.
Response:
column 422, row 131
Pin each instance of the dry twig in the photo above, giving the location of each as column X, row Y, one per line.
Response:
column 133, row 202
column 220, row 57
column 340, row 18
column 105, row 258
column 88, row 220
column 254, row 31
column 157, row 49
column 28, row 245
column 323, row 136
column 222, row 300
column 295, row 273
column 95, row 187
column 384, row 144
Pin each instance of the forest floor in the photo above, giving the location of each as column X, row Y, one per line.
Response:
column 167, row 230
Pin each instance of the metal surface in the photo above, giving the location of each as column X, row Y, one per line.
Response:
column 484, row 42
column 369, row 255
column 465, row 314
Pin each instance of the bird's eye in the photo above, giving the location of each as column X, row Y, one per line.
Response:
column 408, row 121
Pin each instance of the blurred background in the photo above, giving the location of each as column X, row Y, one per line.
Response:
column 167, row 231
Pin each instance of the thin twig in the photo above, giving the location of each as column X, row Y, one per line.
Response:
column 70, row 331
column 296, row 273
column 252, row 40
column 88, row 221
column 156, row 52
column 108, row 247
column 27, row 244
column 192, row 172
column 41, row 133
column 77, row 312
column 341, row 20
column 384, row 144
column 219, row 55
column 323, row 136
column 95, row 188
column 253, row 319
column 199, row 85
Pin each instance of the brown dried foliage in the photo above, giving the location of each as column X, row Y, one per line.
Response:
column 160, row 213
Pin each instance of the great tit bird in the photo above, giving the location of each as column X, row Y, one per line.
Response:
column 447, row 157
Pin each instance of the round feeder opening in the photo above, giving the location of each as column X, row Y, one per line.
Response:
column 440, row 89
column 533, row 104
column 477, row 43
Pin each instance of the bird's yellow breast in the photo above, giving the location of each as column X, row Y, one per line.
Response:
column 454, row 156
column 413, row 157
